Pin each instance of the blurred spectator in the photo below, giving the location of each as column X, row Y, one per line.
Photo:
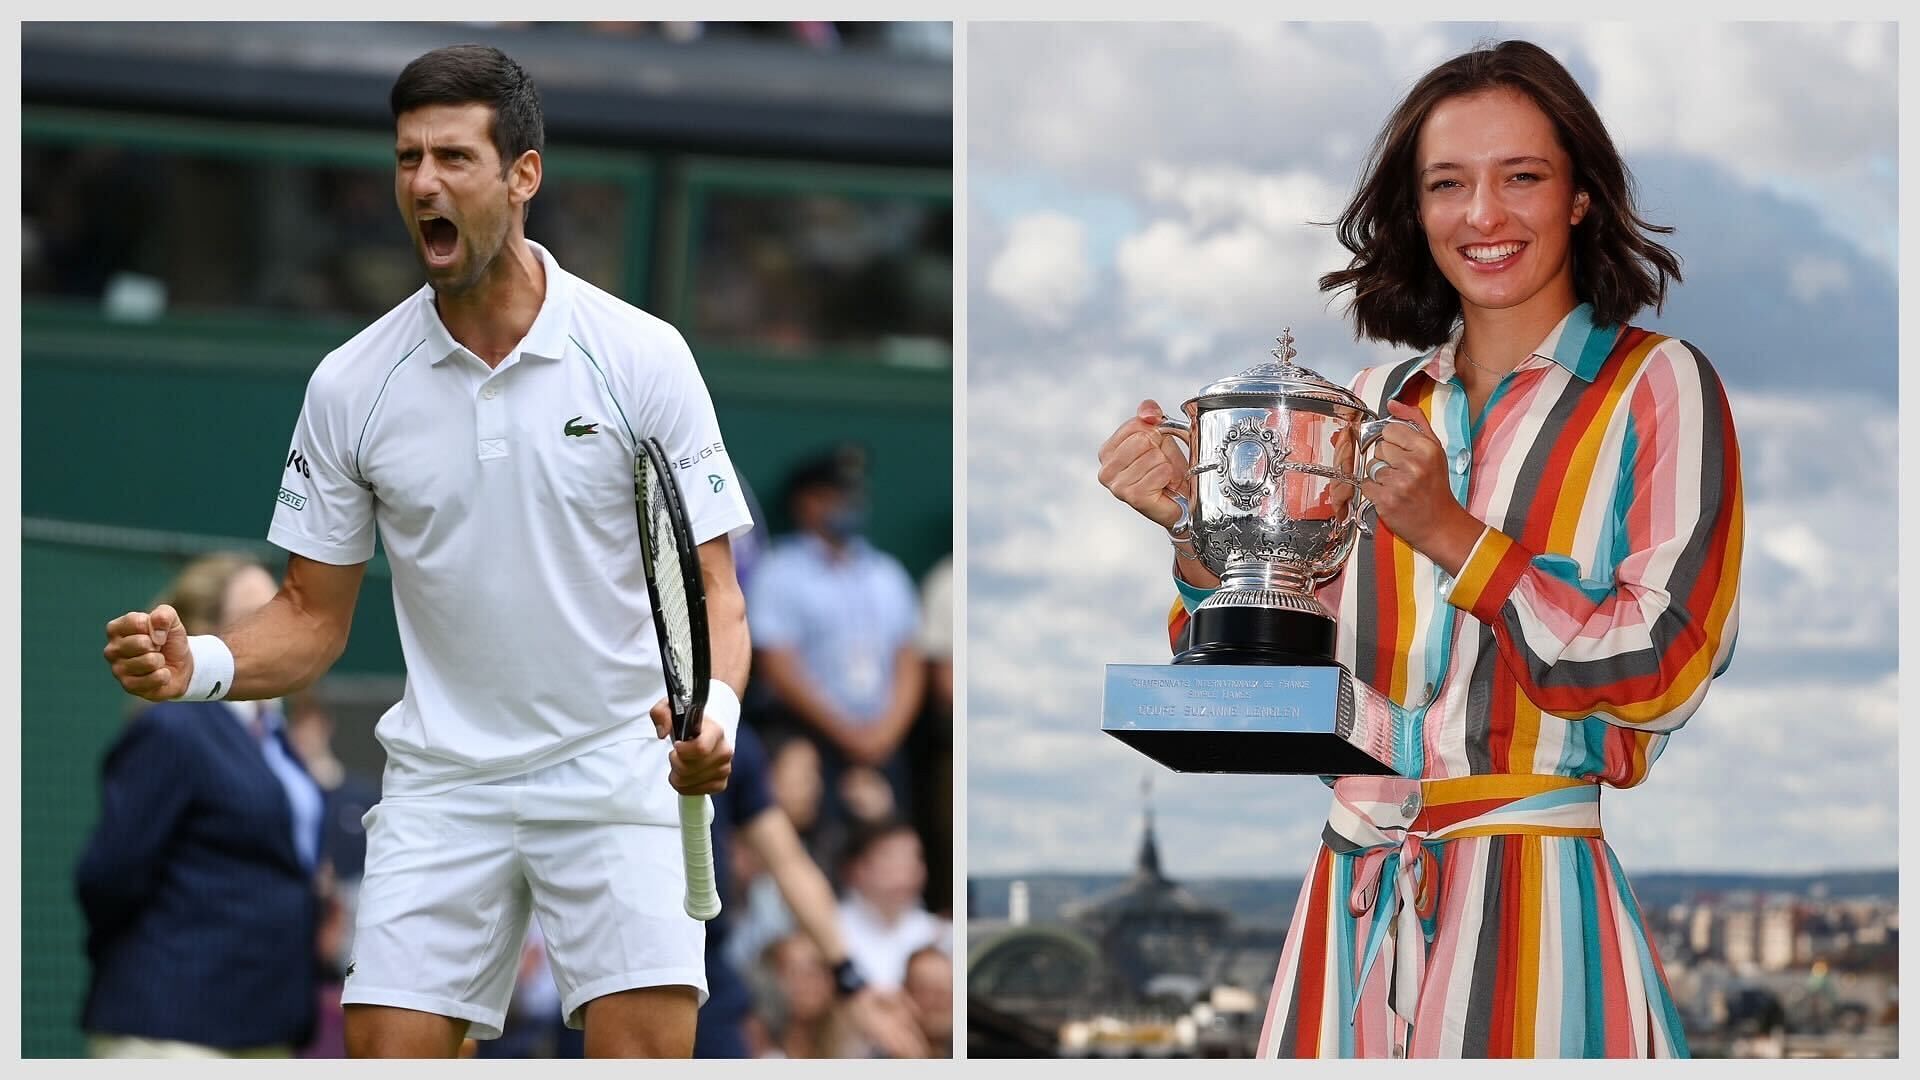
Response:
column 928, row 38
column 930, row 747
column 762, row 918
column 332, row 947
column 676, row 32
column 799, row 793
column 804, row 1021
column 790, row 273
column 833, row 620
column 746, row 817
column 747, row 796
column 936, row 634
column 866, row 795
column 795, row 777
column 930, row 988
column 86, row 208
column 881, row 917
column 347, row 796
column 349, row 792
column 817, row 35
column 933, row 39
column 200, row 882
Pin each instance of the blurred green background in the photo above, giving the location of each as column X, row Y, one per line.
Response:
column 202, row 223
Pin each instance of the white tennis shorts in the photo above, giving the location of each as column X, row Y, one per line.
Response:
column 452, row 877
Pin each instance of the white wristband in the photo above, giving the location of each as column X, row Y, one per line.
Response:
column 723, row 708
column 212, row 669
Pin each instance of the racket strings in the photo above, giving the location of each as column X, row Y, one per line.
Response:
column 670, row 583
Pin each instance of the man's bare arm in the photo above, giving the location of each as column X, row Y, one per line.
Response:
column 731, row 654
column 292, row 641
column 285, row 646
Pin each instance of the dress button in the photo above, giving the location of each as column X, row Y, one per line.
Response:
column 490, row 393
column 1461, row 459
column 1411, row 808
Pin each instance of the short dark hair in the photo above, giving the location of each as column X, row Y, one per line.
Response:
column 842, row 468
column 864, row 836
column 1400, row 296
column 477, row 75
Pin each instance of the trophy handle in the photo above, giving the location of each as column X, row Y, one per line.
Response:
column 1370, row 433
column 1372, row 430
column 1183, row 528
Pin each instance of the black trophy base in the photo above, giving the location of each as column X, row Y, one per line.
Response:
column 1271, row 752
column 1254, row 635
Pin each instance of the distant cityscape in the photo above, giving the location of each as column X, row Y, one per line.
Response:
column 1141, row 965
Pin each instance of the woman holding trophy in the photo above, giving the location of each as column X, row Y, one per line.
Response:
column 1552, row 585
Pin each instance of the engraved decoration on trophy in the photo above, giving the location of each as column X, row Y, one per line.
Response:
column 1248, row 462
column 1275, row 454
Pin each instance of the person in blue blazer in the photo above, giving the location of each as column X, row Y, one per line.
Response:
column 199, row 883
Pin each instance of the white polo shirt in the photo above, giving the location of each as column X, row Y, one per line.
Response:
column 504, row 499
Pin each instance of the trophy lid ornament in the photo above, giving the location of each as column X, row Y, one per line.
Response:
column 1286, row 352
column 1278, row 378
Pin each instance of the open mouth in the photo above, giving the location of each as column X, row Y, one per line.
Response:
column 440, row 237
column 1493, row 256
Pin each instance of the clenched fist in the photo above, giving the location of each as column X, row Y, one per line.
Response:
column 1145, row 468
column 148, row 653
column 1408, row 484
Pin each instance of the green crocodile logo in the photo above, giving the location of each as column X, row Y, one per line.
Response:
column 576, row 428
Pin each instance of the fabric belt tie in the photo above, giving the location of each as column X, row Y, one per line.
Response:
column 1386, row 823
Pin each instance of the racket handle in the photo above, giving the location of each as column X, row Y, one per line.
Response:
column 696, row 849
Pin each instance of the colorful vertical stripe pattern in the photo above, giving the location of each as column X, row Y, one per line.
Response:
column 1603, row 596
column 1509, row 932
column 1585, row 627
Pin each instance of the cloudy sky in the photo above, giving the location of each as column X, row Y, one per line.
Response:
column 1139, row 200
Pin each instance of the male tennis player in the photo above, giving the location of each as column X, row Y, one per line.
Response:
column 488, row 425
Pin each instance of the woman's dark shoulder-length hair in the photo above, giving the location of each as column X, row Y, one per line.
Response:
column 1400, row 296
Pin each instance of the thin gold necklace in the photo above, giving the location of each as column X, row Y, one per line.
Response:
column 1462, row 350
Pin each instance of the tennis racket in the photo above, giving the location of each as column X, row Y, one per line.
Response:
column 680, row 619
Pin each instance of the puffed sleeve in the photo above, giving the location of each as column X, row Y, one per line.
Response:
column 1639, row 650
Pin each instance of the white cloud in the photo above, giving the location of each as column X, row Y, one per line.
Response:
column 1115, row 94
column 1761, row 98
column 1812, row 279
column 1807, row 110
column 1233, row 255
column 1043, row 272
column 1818, row 783
column 1822, row 518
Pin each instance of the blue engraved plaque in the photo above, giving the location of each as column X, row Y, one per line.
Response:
column 1250, row 718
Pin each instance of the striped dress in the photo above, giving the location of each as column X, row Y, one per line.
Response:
column 1474, row 909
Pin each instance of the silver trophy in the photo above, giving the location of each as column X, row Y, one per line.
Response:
column 1275, row 454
